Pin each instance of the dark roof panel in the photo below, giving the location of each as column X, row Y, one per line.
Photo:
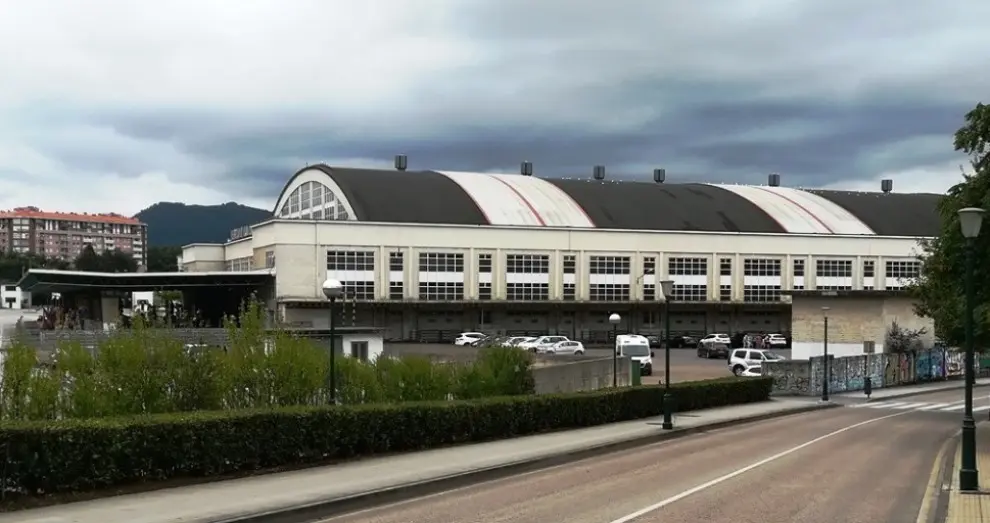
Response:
column 405, row 196
column 670, row 207
column 892, row 214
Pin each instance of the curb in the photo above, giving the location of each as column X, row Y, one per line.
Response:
column 365, row 500
column 906, row 394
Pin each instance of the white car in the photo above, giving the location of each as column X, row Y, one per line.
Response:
column 564, row 347
column 467, row 338
column 742, row 359
column 716, row 338
column 542, row 342
column 516, row 341
column 752, row 372
column 777, row 340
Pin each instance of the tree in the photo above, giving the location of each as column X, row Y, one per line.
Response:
column 88, row 260
column 107, row 261
column 899, row 339
column 940, row 290
column 14, row 265
column 163, row 259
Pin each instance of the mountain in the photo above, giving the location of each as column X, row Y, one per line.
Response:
column 175, row 224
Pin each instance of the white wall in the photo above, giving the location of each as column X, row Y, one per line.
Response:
column 20, row 299
column 376, row 344
column 805, row 350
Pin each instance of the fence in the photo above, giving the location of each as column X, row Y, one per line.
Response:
column 848, row 373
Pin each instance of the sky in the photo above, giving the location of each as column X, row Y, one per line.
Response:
column 113, row 105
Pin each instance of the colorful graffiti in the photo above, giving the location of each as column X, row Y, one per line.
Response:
column 804, row 377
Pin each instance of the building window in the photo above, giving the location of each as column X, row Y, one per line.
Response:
column 269, row 259
column 484, row 263
column 570, row 264
column 359, row 350
column 798, row 272
column 725, row 292
column 350, row 260
column 761, row 293
column 833, row 268
column 799, row 268
column 687, row 267
column 395, row 290
column 690, row 293
column 649, row 265
column 484, row 291
column 441, row 291
column 569, row 292
column 527, row 291
column 313, row 200
column 869, row 269
column 395, row 262
column 609, row 265
column 608, row 292
column 358, row 290
column 441, row 262
column 761, row 267
column 901, row 273
column 725, row 267
column 527, row 264
column 649, row 292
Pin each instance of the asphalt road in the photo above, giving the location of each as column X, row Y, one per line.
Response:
column 849, row 465
column 685, row 365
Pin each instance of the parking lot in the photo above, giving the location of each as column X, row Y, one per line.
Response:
column 685, row 365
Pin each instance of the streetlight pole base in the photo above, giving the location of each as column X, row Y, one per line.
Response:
column 969, row 478
column 668, row 412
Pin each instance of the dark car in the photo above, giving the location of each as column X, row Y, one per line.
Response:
column 656, row 342
column 713, row 350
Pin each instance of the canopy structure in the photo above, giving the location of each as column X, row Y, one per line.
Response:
column 45, row 280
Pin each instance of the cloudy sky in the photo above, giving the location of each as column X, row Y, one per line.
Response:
column 112, row 105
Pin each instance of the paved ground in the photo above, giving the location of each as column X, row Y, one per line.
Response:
column 948, row 403
column 684, row 363
column 839, row 465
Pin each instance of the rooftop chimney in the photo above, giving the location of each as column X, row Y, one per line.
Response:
column 773, row 180
column 886, row 186
column 599, row 172
column 526, row 169
column 659, row 175
column 401, row 162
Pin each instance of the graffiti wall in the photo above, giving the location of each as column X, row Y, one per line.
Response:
column 849, row 373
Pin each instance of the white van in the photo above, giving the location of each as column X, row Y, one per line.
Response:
column 638, row 349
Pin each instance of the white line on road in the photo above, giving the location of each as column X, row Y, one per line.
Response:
column 887, row 405
column 873, row 405
column 739, row 472
column 954, row 408
column 934, row 406
column 910, row 406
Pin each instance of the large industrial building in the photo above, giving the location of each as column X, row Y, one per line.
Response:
column 427, row 254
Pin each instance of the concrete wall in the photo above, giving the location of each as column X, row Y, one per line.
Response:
column 805, row 377
column 580, row 376
column 851, row 322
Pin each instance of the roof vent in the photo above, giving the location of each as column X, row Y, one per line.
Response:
column 401, row 162
column 659, row 175
column 599, row 172
column 886, row 186
column 773, row 180
column 526, row 169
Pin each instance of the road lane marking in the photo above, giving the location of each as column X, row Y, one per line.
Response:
column 886, row 405
column 872, row 405
column 721, row 479
column 926, row 512
column 954, row 408
column 934, row 406
column 910, row 406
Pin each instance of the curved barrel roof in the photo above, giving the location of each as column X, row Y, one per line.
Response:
column 462, row 198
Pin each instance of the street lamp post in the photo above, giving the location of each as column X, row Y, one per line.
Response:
column 825, row 357
column 970, row 221
column 333, row 289
column 614, row 319
column 667, row 286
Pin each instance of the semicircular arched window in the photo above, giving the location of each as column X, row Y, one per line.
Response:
column 313, row 201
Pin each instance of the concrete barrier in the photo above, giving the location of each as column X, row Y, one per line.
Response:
column 578, row 376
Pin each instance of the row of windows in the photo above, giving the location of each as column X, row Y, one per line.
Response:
column 608, row 292
column 441, row 262
column 313, row 201
column 527, row 291
column 527, row 263
column 609, row 265
column 761, row 267
column 687, row 266
column 350, row 260
column 441, row 291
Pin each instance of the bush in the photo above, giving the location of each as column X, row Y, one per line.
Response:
column 90, row 454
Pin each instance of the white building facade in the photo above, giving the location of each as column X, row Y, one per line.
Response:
column 520, row 253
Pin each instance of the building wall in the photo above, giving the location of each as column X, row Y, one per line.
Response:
column 65, row 235
column 298, row 249
column 11, row 297
column 851, row 322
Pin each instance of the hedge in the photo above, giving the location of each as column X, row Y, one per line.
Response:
column 91, row 454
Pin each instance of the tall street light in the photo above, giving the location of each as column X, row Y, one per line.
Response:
column 667, row 286
column 825, row 357
column 970, row 220
column 333, row 289
column 614, row 319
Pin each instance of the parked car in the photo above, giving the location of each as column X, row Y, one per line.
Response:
column 656, row 342
column 742, row 359
column 638, row 349
column 467, row 338
column 565, row 347
column 713, row 350
column 516, row 340
column 716, row 338
column 541, row 342
column 777, row 340
column 754, row 371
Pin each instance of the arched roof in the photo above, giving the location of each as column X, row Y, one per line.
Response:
column 462, row 198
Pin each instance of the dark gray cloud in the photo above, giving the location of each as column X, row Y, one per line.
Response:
column 825, row 93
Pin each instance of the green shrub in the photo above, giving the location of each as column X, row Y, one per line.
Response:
column 78, row 455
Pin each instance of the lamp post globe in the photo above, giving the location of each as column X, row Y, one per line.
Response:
column 614, row 318
column 970, row 221
column 332, row 288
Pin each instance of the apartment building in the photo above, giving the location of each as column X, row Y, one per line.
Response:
column 64, row 235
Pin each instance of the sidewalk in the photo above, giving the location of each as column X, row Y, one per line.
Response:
column 897, row 392
column 238, row 499
column 972, row 508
